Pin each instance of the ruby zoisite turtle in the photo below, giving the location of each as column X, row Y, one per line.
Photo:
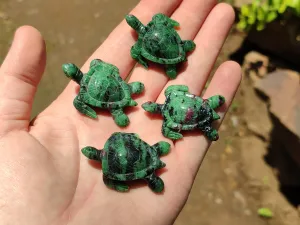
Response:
column 159, row 42
column 126, row 157
column 185, row 111
column 103, row 87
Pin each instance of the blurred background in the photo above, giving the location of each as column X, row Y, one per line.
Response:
column 252, row 174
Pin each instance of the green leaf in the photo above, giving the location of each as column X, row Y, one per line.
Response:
column 245, row 10
column 282, row 8
column 242, row 25
column 275, row 4
column 251, row 19
column 260, row 26
column 265, row 212
column 271, row 16
column 261, row 14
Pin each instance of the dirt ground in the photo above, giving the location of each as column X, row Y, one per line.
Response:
column 234, row 180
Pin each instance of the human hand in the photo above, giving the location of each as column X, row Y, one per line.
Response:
column 44, row 177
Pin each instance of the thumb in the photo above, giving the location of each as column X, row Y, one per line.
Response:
column 20, row 75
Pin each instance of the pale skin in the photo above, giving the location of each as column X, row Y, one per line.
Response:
column 43, row 175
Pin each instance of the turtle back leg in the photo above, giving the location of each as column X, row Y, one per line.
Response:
column 171, row 70
column 116, row 185
column 169, row 133
column 210, row 133
column 188, row 45
column 136, row 87
column 83, row 108
column 120, row 118
column 161, row 18
column 155, row 183
column 162, row 147
column 135, row 52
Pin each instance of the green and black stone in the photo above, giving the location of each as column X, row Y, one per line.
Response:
column 126, row 157
column 185, row 111
column 103, row 87
column 159, row 42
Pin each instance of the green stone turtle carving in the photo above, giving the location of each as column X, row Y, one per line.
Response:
column 126, row 157
column 103, row 87
column 159, row 42
column 185, row 111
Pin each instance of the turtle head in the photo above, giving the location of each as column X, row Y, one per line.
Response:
column 72, row 72
column 135, row 24
column 216, row 101
column 92, row 153
column 151, row 107
column 95, row 62
column 132, row 21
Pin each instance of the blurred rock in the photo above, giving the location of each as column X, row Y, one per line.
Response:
column 234, row 121
column 3, row 16
column 256, row 65
column 255, row 169
column 248, row 212
column 240, row 197
column 228, row 150
column 282, row 88
column 218, row 201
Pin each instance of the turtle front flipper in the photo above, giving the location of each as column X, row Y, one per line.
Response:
column 172, row 88
column 136, row 54
column 136, row 87
column 152, row 107
column 84, row 108
column 173, row 23
column 120, row 117
column 155, row 183
column 167, row 132
column 116, row 185
column 171, row 71
column 189, row 46
column 162, row 147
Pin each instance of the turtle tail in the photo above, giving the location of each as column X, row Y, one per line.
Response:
column 92, row 153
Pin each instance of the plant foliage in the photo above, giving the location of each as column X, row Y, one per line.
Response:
column 258, row 13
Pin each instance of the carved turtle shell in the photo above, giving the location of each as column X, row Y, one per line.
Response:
column 185, row 109
column 103, row 87
column 162, row 44
column 126, row 157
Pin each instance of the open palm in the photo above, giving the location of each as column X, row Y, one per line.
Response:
column 44, row 177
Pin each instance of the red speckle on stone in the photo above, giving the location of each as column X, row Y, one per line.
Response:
column 189, row 114
column 217, row 137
